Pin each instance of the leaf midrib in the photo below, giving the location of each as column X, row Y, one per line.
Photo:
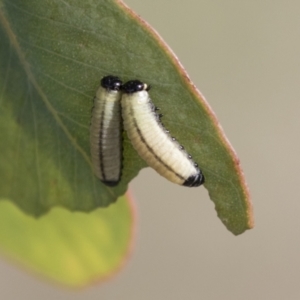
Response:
column 31, row 77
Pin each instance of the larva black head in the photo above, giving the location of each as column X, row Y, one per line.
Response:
column 111, row 83
column 134, row 86
column 195, row 180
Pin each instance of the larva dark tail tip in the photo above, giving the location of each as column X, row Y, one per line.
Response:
column 111, row 183
column 195, row 180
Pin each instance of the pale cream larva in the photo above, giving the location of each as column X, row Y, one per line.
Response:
column 106, row 131
column 152, row 141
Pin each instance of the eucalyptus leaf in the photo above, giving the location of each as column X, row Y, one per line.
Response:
column 52, row 56
column 73, row 249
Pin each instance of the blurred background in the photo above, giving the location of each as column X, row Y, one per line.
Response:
column 244, row 56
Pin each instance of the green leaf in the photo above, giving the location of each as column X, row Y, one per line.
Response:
column 73, row 249
column 52, row 55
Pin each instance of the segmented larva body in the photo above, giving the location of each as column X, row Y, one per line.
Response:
column 106, row 131
column 152, row 141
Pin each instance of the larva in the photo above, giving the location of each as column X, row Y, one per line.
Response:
column 106, row 131
column 152, row 141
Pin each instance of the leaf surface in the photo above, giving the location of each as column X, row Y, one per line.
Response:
column 72, row 249
column 52, row 57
